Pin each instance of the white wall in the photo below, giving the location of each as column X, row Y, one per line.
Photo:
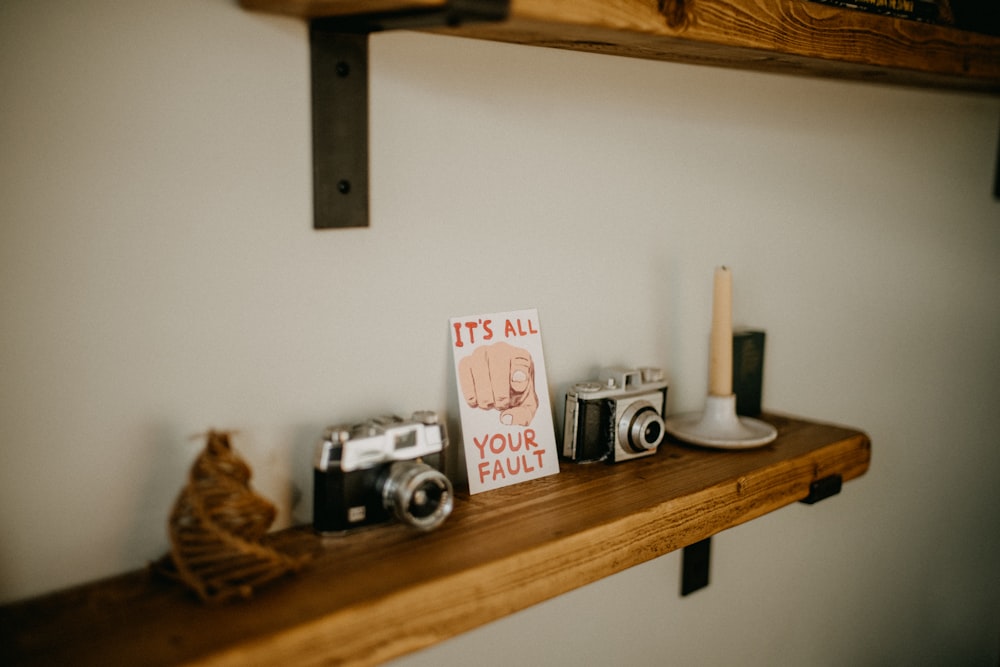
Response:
column 159, row 276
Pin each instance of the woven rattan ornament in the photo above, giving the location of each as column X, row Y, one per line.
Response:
column 218, row 525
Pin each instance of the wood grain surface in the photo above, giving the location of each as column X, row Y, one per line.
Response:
column 387, row 590
column 787, row 36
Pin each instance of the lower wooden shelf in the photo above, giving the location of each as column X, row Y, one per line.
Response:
column 388, row 591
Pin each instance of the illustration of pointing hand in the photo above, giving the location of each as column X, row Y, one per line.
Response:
column 500, row 377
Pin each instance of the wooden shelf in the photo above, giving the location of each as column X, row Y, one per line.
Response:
column 388, row 591
column 791, row 36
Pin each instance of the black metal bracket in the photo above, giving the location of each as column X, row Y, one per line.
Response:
column 696, row 560
column 339, row 128
column 339, row 72
column 823, row 488
column 996, row 175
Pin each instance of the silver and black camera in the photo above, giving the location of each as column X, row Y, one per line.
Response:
column 376, row 470
column 616, row 418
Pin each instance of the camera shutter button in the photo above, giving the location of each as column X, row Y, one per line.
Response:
column 426, row 417
column 652, row 375
column 588, row 387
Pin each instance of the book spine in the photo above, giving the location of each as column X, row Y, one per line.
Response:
column 921, row 10
column 748, row 370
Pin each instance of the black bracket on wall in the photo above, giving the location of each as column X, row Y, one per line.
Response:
column 823, row 488
column 339, row 72
column 996, row 176
column 696, row 559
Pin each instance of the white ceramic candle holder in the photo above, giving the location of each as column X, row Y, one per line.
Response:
column 719, row 426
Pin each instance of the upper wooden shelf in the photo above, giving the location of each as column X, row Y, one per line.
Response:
column 388, row 591
column 791, row 36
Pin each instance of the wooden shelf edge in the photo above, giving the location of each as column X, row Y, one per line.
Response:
column 782, row 36
column 453, row 604
column 386, row 592
column 940, row 66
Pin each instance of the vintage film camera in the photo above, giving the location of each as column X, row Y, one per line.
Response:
column 616, row 418
column 382, row 468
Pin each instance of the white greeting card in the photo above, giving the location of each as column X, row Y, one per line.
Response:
column 503, row 399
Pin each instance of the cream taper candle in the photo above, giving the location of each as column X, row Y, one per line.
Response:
column 720, row 360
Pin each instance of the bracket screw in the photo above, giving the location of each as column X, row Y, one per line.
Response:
column 344, row 186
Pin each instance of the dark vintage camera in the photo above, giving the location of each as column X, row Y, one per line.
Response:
column 616, row 418
column 381, row 469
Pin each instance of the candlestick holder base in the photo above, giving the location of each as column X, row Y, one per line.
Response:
column 719, row 426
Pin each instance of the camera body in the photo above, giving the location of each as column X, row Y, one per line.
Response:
column 616, row 418
column 380, row 469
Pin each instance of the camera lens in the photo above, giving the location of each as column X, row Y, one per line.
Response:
column 653, row 432
column 641, row 427
column 417, row 494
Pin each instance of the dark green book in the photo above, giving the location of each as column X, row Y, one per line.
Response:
column 748, row 371
column 921, row 10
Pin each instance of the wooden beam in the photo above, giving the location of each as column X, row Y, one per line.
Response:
column 387, row 591
column 787, row 36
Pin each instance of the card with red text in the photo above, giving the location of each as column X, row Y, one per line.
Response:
column 503, row 399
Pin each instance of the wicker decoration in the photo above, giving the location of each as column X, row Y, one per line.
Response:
column 217, row 527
